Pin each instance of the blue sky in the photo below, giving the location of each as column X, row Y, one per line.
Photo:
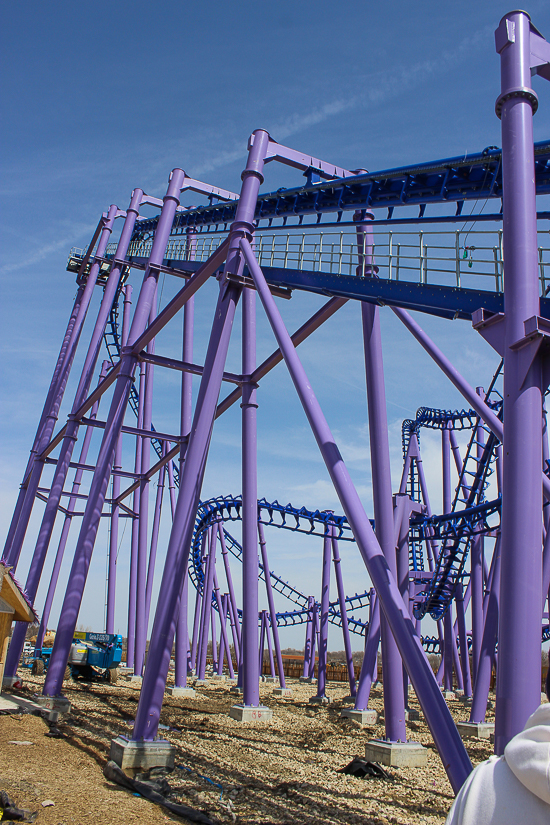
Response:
column 100, row 98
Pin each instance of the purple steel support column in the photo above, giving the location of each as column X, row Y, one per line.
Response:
column 62, row 466
column 250, row 571
column 308, row 642
column 343, row 611
column 214, row 641
column 141, row 581
column 94, row 507
column 235, row 623
column 448, row 635
column 476, row 570
column 271, row 605
column 463, row 641
column 392, row 668
column 50, row 398
column 134, row 541
column 182, row 630
column 488, row 645
column 115, row 510
column 197, row 614
column 519, row 671
column 206, row 607
column 446, row 737
column 323, row 628
column 269, row 644
column 263, row 629
column 224, row 641
column 66, row 527
column 154, row 682
column 314, row 639
column 370, row 657
column 154, row 540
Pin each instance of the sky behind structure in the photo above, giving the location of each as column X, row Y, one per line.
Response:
column 100, row 98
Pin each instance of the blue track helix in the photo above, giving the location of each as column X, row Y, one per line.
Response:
column 287, row 517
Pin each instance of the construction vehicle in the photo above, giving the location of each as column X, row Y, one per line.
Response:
column 92, row 656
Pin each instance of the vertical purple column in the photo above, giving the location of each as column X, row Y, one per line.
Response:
column 251, row 676
column 343, row 612
column 394, row 707
column 488, row 644
column 323, row 628
column 141, row 583
column 271, row 605
column 182, row 630
column 463, row 641
column 447, row 504
column 206, row 607
column 134, row 541
column 308, row 644
column 152, row 692
column 476, row 570
column 233, row 613
column 519, row 671
column 113, row 426
column 117, row 465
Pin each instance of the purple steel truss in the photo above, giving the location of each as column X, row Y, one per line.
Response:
column 403, row 591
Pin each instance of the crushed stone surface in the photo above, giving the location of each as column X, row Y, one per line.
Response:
column 282, row 772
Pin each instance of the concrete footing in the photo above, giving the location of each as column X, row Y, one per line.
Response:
column 475, row 730
column 246, row 713
column 180, row 692
column 236, row 689
column 134, row 679
column 201, row 682
column 320, row 700
column 308, row 680
column 396, row 754
column 412, row 715
column 269, row 679
column 136, row 757
column 282, row 691
column 218, row 677
column 448, row 695
column 369, row 716
column 10, row 681
column 53, row 706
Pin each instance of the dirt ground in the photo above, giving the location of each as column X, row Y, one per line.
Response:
column 277, row 773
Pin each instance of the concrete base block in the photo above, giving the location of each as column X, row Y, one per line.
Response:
column 308, row 680
column 243, row 713
column 320, row 700
column 136, row 757
column 236, row 689
column 475, row 730
column 59, row 704
column 364, row 717
column 125, row 671
column 10, row 681
column 397, row 754
column 282, row 691
column 348, row 700
column 218, row 677
column 448, row 695
column 465, row 700
column 180, row 692
column 201, row 682
column 459, row 693
column 492, row 738
column 412, row 715
column 270, row 679
column 134, row 679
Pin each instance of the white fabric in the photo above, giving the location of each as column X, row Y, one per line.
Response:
column 513, row 789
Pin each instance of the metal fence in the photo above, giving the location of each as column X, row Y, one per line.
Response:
column 447, row 258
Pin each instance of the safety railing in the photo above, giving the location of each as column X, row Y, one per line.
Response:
column 459, row 258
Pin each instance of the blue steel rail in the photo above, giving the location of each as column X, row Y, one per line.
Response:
column 452, row 180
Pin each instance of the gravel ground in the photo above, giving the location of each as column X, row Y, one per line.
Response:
column 282, row 772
